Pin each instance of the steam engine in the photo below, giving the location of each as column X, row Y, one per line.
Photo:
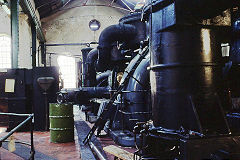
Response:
column 166, row 80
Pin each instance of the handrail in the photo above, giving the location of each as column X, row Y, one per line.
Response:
column 30, row 118
column 16, row 114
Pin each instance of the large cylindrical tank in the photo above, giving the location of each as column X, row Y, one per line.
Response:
column 235, row 46
column 204, row 8
column 233, row 67
column 61, row 122
column 186, row 79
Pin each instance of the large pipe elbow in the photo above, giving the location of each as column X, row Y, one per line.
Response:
column 100, row 78
column 87, row 77
column 88, row 67
column 92, row 57
column 120, row 32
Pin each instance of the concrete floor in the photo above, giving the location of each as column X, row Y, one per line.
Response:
column 51, row 151
column 44, row 149
column 6, row 155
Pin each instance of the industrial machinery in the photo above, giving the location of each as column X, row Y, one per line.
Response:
column 120, row 61
column 162, row 80
column 190, row 95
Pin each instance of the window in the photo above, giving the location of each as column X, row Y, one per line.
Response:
column 67, row 71
column 5, row 51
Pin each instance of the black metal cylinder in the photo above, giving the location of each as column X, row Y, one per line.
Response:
column 85, row 79
column 83, row 94
column 205, row 8
column 235, row 46
column 102, row 78
column 199, row 9
column 186, row 80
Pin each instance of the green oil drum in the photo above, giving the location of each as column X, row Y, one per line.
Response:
column 61, row 122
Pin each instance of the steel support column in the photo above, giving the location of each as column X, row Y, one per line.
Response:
column 15, row 32
column 34, row 45
column 43, row 54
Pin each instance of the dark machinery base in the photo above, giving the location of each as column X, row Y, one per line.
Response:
column 123, row 138
column 225, row 147
column 213, row 148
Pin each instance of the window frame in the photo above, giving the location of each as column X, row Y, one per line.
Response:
column 67, row 66
column 7, row 58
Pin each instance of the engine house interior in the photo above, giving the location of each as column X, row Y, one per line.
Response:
column 161, row 82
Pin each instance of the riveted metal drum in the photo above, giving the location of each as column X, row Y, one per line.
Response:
column 61, row 122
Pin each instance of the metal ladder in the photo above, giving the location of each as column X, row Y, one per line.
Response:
column 106, row 112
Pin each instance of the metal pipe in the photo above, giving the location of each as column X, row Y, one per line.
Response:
column 28, row 8
column 34, row 46
column 96, row 151
column 51, row 53
column 127, row 5
column 46, row 111
column 82, row 95
column 16, row 128
column 102, row 76
column 66, row 3
column 46, row 4
column 38, row 56
column 25, row 143
column 119, row 32
column 70, row 44
column 32, row 144
column 43, row 54
column 132, row 113
column 30, row 117
column 15, row 114
column 89, row 69
column 88, row 73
